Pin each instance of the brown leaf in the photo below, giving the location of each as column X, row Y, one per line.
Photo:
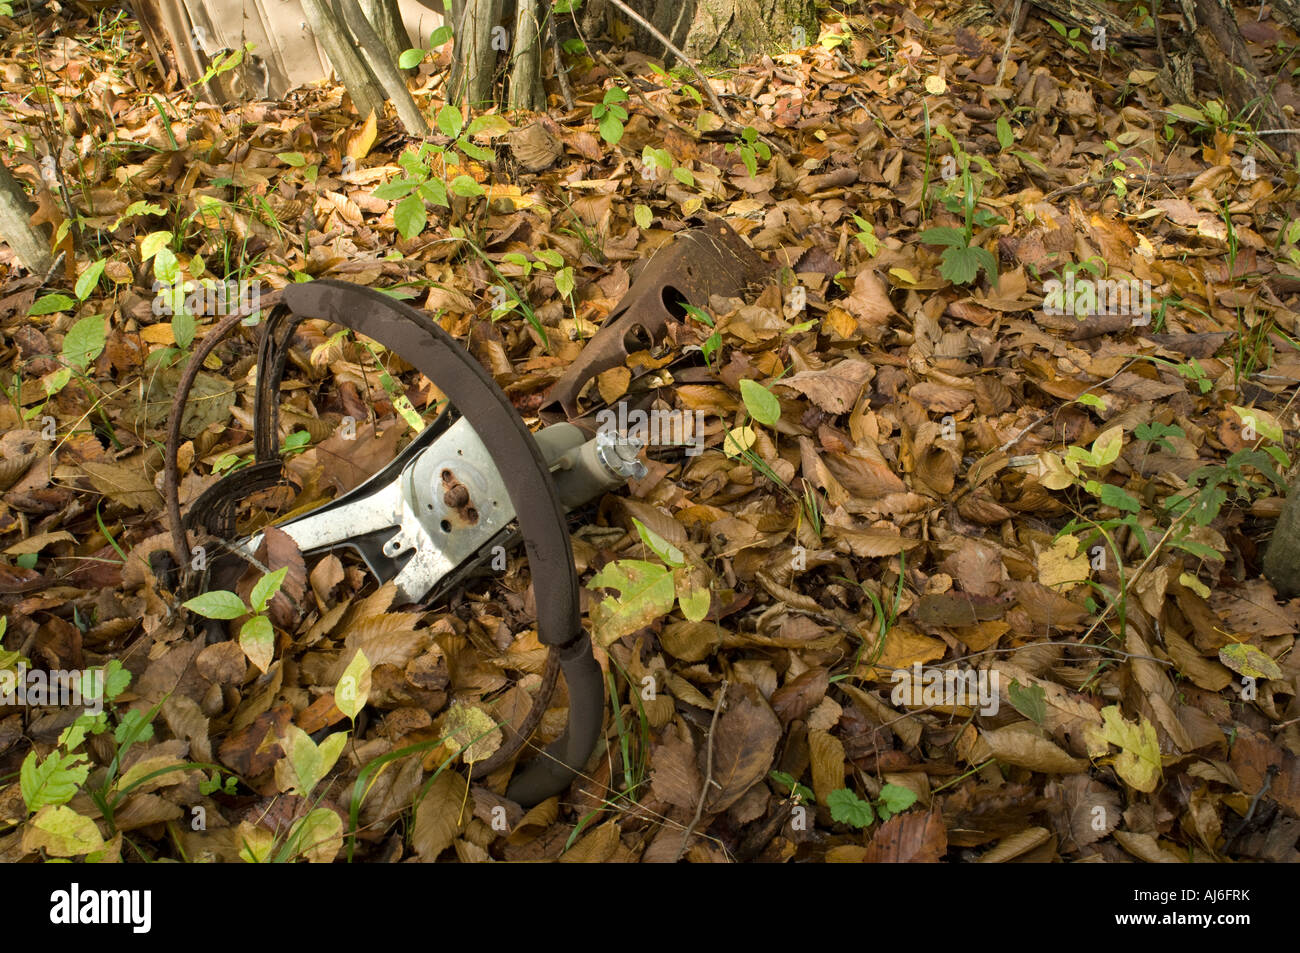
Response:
column 442, row 816
column 833, row 389
column 800, row 695
column 745, row 743
column 910, row 838
column 1013, row 745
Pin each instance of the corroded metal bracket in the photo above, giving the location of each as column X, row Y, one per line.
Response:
column 699, row 263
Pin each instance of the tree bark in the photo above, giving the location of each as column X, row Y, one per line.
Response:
column 526, row 72
column 474, row 76
column 387, row 22
column 1243, row 86
column 384, row 68
column 1282, row 559
column 31, row 247
column 366, row 93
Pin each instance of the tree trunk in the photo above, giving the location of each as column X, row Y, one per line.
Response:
column 474, row 74
column 387, row 22
column 717, row 32
column 724, row 32
column 383, row 66
column 1282, row 559
column 366, row 93
column 1242, row 84
column 526, row 75
column 16, row 230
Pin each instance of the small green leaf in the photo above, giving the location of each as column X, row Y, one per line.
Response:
column 295, row 159
column 665, row 550
column 683, row 175
column 392, row 191
column 184, row 327
column 761, row 403
column 1119, row 498
column 257, row 639
column 550, row 256
column 439, row 36
column 847, row 808
column 490, row 124
column 465, row 186
column 153, row 243
column 410, row 216
column 953, row 237
column 266, row 588
column 895, row 799
column 481, row 153
column 85, row 341
column 564, row 283
column 62, row 832
column 52, row 303
column 89, row 278
column 1005, row 136
column 644, row 217
column 218, row 604
column 646, row 594
column 1106, row 448
column 611, row 129
column 410, row 58
column 692, row 593
column 1030, row 701
column 1249, row 661
column 116, row 679
column 450, row 121
column 51, row 780
column 434, row 191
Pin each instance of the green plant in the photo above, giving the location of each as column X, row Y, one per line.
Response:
column 425, row 170
column 610, row 115
column 1071, row 35
column 256, row 635
column 713, row 342
column 49, row 783
column 750, row 150
column 963, row 260
column 647, row 591
column 847, row 808
column 411, row 58
column 884, row 619
column 866, row 236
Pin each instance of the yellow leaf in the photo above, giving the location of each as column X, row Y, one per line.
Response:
column 472, row 732
column 360, row 141
column 1248, row 661
column 1138, row 762
column 936, row 85
column 1062, row 566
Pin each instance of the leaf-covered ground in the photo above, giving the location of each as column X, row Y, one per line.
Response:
column 974, row 476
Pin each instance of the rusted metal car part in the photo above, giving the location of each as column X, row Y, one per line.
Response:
column 442, row 500
column 699, row 263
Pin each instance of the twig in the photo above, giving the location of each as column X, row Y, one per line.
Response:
column 1006, row 49
column 561, row 71
column 1137, row 573
column 708, row 87
column 708, row 773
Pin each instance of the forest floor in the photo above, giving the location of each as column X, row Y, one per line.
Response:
column 1017, row 413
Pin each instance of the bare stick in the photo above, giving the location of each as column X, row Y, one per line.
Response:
column 1006, row 49
column 708, row 772
column 708, row 87
column 561, row 72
